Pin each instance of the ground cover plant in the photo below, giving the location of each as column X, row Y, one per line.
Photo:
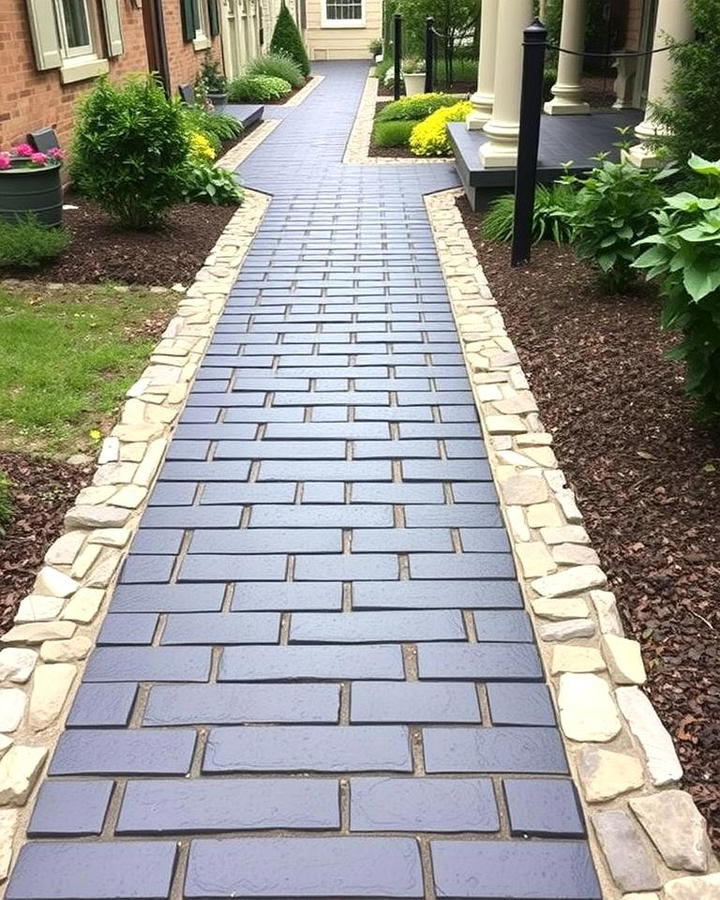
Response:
column 414, row 108
column 26, row 244
column 430, row 136
column 395, row 133
column 551, row 215
column 277, row 65
column 257, row 89
column 286, row 38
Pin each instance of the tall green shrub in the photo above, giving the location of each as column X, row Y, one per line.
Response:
column 129, row 149
column 691, row 114
column 286, row 38
column 684, row 253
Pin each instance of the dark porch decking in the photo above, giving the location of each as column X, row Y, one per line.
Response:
column 562, row 138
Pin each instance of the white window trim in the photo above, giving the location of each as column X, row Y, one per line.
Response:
column 82, row 68
column 341, row 23
column 79, row 63
column 202, row 40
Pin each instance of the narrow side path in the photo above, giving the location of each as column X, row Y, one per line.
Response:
column 316, row 678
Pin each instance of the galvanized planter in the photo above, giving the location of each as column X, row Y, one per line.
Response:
column 27, row 189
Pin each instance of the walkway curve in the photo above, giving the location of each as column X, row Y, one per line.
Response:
column 316, row 678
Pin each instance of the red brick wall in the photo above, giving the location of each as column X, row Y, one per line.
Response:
column 30, row 99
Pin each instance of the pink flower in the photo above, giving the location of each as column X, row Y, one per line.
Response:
column 4, row 160
column 56, row 153
column 23, row 150
column 39, row 159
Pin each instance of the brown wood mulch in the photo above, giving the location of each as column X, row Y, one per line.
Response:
column 646, row 473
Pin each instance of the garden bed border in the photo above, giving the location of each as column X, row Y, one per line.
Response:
column 56, row 626
column 646, row 835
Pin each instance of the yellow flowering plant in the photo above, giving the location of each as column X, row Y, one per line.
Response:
column 201, row 150
column 430, row 137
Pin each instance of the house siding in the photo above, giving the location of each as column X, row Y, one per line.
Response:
column 341, row 43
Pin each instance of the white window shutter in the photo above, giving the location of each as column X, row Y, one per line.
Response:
column 113, row 31
column 44, row 34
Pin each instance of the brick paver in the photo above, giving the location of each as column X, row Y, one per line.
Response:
column 316, row 678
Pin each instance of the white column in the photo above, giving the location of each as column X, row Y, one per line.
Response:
column 673, row 20
column 482, row 99
column 567, row 90
column 500, row 150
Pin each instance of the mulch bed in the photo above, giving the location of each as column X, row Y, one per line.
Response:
column 645, row 471
column 41, row 491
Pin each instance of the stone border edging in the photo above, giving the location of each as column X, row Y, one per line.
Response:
column 240, row 152
column 304, row 92
column 651, row 835
column 357, row 149
column 57, row 624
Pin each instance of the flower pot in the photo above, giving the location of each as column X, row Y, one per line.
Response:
column 218, row 99
column 414, row 84
column 31, row 189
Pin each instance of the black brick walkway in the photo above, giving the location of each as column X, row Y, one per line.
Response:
column 316, row 678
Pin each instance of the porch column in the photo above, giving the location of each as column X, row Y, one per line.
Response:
column 567, row 90
column 500, row 150
column 482, row 99
column 673, row 20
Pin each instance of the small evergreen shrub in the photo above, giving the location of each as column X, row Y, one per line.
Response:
column 551, row 215
column 129, row 149
column 430, row 137
column 5, row 507
column 277, row 65
column 257, row 89
column 684, row 253
column 286, row 38
column 393, row 134
column 27, row 243
column 414, row 108
column 614, row 206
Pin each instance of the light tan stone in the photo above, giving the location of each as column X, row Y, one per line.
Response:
column 516, row 402
column 698, row 887
column 543, row 515
column 558, row 609
column 534, row 559
column 114, row 473
column 569, row 506
column 568, row 658
column 565, row 534
column 605, row 774
column 587, row 710
column 575, row 554
column 534, row 439
column 52, row 582
column 12, row 707
column 84, row 561
column 51, row 686
column 8, row 827
column 148, row 468
column 109, row 450
column 37, row 632
column 607, row 612
column 675, row 826
column 129, row 497
column 133, row 452
column 571, row 581
column 662, row 760
column 524, row 490
column 624, row 660
column 505, row 424
column 567, row 630
column 94, row 495
column 110, row 537
column 84, row 606
column 63, row 551
column 102, row 572
column 65, row 651
column 141, row 433
column 19, row 770
column 516, row 521
column 96, row 517
column 36, row 608
column 542, row 456
column 17, row 664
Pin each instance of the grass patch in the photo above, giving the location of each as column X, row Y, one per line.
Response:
column 67, row 357
column 392, row 134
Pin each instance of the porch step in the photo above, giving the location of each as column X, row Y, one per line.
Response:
column 247, row 113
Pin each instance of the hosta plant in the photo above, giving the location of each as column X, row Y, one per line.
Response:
column 684, row 253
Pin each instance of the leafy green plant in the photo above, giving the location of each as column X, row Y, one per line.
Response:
column 28, row 243
column 614, row 206
column 456, row 22
column 5, row 507
column 216, row 127
column 684, row 252
column 206, row 183
column 130, row 145
column 690, row 115
column 413, row 65
column 257, row 89
column 551, row 215
column 286, row 38
column 414, row 108
column 210, row 79
column 430, row 137
column 277, row 65
column 393, row 134
column 375, row 47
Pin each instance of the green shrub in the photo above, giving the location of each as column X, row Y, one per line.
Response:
column 257, row 89
column 684, row 253
column 216, row 127
column 28, row 243
column 691, row 115
column 614, row 206
column 277, row 65
column 210, row 78
column 375, row 47
column 414, row 108
column 382, row 68
column 393, row 134
column 551, row 213
column 206, row 183
column 286, row 38
column 430, row 137
column 5, row 508
column 129, row 149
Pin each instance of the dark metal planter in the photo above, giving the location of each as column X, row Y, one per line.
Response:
column 218, row 100
column 29, row 189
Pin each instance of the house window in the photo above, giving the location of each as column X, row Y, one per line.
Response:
column 202, row 26
column 343, row 13
column 66, row 36
column 76, row 28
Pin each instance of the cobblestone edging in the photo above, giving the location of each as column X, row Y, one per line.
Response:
column 358, row 145
column 647, row 835
column 304, row 92
column 56, row 625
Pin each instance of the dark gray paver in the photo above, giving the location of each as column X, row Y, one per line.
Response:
column 369, row 627
column 167, row 598
column 287, row 596
column 423, row 804
column 436, row 594
column 149, row 664
column 222, row 628
column 128, row 628
column 534, row 750
column 316, row 748
column 70, row 808
column 99, row 705
column 485, row 662
column 545, row 870
column 413, row 702
column 543, row 807
column 203, row 804
column 123, row 752
column 304, row 867
column 340, row 663
column 520, row 704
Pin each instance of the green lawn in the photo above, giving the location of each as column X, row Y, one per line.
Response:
column 66, row 359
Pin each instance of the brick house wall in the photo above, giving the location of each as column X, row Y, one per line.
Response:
column 30, row 99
